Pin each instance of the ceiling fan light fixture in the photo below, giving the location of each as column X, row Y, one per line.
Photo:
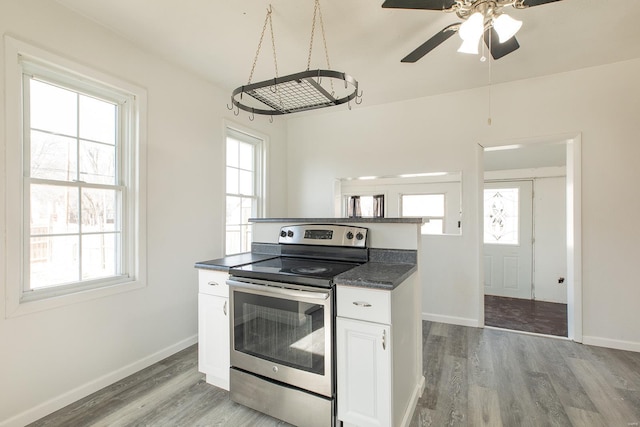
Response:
column 470, row 32
column 469, row 46
column 506, row 27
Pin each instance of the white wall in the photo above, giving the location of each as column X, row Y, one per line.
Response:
column 51, row 358
column 442, row 133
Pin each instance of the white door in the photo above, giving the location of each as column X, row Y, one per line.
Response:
column 508, row 238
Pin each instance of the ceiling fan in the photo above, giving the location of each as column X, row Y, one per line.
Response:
column 479, row 17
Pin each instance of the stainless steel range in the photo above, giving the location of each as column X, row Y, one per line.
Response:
column 283, row 323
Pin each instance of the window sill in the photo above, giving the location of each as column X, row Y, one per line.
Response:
column 16, row 308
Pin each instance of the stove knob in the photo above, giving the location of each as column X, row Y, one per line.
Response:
column 349, row 235
column 359, row 236
column 283, row 233
column 290, row 233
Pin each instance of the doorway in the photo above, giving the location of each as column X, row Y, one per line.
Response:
column 521, row 289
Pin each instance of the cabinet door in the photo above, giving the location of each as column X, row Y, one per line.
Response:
column 213, row 339
column 364, row 372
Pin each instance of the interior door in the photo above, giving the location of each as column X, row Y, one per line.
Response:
column 508, row 238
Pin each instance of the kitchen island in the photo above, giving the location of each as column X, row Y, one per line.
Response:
column 377, row 318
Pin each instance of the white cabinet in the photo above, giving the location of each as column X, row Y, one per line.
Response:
column 364, row 372
column 213, row 327
column 379, row 354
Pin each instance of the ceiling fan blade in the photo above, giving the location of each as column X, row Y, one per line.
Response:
column 531, row 3
column 432, row 43
column 498, row 50
column 419, row 4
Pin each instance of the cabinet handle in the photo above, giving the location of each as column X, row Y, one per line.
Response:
column 224, row 308
column 361, row 304
column 212, row 283
column 384, row 339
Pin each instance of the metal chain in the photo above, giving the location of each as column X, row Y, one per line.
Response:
column 313, row 28
column 317, row 9
column 324, row 39
column 273, row 44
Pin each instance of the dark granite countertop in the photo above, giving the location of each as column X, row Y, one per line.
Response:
column 341, row 220
column 386, row 269
column 224, row 264
column 377, row 275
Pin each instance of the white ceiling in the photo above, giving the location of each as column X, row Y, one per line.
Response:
column 218, row 40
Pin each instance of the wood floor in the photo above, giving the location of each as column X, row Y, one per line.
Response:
column 474, row 377
column 526, row 315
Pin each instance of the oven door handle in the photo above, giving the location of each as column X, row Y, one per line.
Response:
column 295, row 293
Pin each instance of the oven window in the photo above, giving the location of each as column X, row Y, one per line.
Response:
column 284, row 331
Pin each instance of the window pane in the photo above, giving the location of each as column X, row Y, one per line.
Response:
column 246, row 156
column 99, row 210
column 53, row 157
column 234, row 214
column 54, row 209
column 232, row 180
column 53, row 109
column 98, row 256
column 423, row 205
column 434, row 226
column 248, row 210
column 245, row 233
column 60, row 263
column 97, row 163
column 501, row 208
column 97, row 120
column 232, row 152
column 232, row 244
column 246, row 183
column 366, row 206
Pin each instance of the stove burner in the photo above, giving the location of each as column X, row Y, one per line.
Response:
column 309, row 270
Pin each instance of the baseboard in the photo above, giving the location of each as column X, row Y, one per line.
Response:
column 413, row 402
column 462, row 321
column 84, row 390
column 609, row 343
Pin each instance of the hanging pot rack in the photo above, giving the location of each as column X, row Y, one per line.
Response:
column 303, row 91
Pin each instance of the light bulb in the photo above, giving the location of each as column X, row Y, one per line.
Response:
column 469, row 46
column 470, row 32
column 506, row 27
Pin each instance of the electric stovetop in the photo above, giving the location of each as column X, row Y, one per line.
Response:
column 314, row 272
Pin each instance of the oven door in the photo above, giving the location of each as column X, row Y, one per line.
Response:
column 283, row 332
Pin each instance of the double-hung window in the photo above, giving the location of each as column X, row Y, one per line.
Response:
column 244, row 188
column 80, row 195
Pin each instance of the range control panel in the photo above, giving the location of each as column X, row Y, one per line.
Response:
column 324, row 234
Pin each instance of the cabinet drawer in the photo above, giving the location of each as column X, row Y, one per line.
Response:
column 373, row 305
column 213, row 282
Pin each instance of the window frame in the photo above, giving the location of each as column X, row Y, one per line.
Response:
column 259, row 143
column 22, row 58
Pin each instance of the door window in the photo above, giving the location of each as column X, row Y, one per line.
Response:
column 501, row 216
